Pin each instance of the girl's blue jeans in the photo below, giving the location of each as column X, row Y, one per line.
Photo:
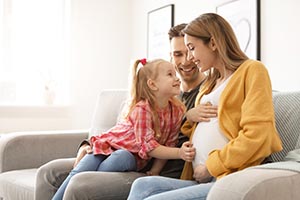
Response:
column 157, row 188
column 119, row 161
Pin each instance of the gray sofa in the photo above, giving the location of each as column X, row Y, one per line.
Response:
column 33, row 165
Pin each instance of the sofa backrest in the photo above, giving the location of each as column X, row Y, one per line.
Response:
column 287, row 118
column 109, row 105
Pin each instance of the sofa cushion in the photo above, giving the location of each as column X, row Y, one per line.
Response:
column 293, row 155
column 18, row 184
column 287, row 117
column 106, row 103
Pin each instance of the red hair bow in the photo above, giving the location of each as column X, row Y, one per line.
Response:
column 143, row 61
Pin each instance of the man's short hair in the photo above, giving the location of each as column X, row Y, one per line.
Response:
column 176, row 31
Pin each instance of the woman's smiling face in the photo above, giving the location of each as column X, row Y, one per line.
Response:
column 201, row 54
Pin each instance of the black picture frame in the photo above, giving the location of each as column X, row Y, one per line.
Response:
column 159, row 22
column 244, row 17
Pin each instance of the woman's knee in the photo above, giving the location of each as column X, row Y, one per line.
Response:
column 143, row 187
column 144, row 182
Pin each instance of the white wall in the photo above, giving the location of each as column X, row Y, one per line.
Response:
column 101, row 49
column 106, row 34
column 280, row 42
column 185, row 11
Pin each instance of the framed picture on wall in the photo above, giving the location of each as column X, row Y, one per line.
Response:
column 244, row 17
column 160, row 21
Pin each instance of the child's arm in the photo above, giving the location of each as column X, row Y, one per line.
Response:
column 185, row 152
column 157, row 166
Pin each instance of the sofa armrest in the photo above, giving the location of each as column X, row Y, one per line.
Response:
column 24, row 150
column 257, row 183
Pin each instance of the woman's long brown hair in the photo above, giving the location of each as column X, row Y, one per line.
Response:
column 211, row 25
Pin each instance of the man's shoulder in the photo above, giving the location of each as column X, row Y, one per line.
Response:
column 193, row 91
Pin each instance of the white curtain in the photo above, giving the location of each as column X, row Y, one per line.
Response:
column 34, row 52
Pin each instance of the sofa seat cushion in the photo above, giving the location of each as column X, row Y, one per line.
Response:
column 254, row 183
column 18, row 184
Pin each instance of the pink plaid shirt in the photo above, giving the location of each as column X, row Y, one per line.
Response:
column 136, row 134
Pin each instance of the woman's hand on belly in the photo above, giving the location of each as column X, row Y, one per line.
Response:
column 202, row 113
column 201, row 174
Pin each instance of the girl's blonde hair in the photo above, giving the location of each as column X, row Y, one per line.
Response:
column 211, row 25
column 141, row 91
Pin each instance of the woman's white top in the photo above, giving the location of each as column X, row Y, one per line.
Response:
column 207, row 135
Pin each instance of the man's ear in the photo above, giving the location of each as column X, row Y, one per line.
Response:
column 151, row 84
column 212, row 44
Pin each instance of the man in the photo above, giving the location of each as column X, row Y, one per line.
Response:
column 191, row 80
column 191, row 77
column 81, row 188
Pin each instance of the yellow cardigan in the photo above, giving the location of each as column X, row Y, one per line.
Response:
column 246, row 117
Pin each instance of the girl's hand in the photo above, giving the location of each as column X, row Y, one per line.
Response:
column 83, row 150
column 187, row 151
column 201, row 174
column 202, row 113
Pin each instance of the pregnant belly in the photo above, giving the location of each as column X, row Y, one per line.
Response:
column 206, row 138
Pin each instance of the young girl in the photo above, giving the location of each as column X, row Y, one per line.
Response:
column 150, row 128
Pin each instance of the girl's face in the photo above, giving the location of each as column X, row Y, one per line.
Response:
column 167, row 84
column 201, row 54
